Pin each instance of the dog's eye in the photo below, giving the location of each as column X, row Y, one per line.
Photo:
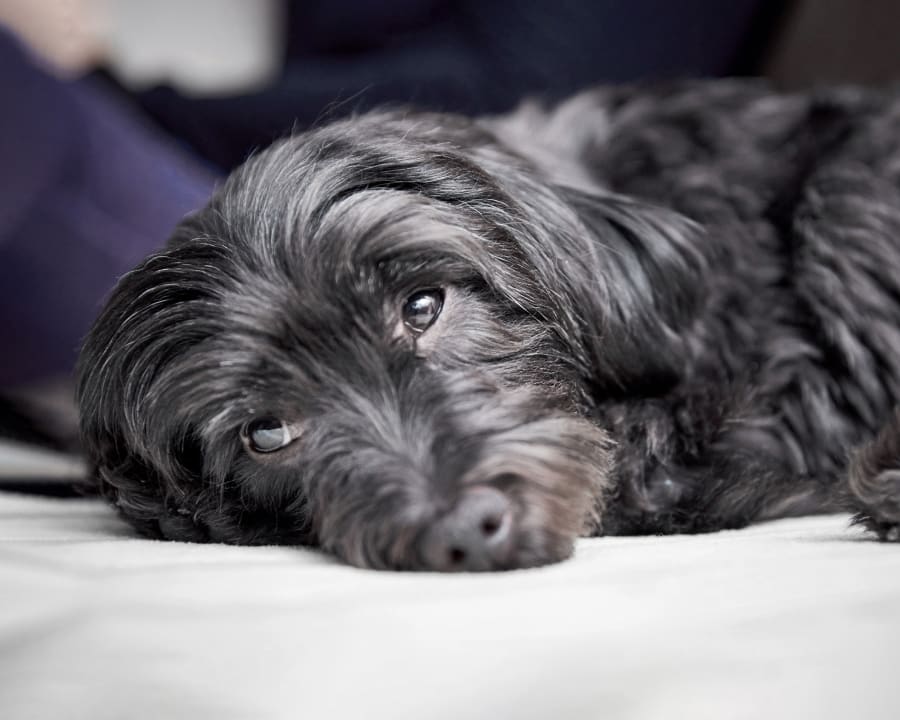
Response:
column 265, row 435
column 422, row 309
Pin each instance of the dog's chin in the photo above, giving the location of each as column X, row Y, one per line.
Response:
column 551, row 475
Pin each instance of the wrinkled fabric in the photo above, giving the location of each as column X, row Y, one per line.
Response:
column 791, row 619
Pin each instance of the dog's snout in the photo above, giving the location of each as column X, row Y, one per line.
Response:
column 477, row 534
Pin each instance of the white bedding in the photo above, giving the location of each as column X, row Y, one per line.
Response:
column 793, row 619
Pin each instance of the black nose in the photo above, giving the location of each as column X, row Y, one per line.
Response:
column 477, row 534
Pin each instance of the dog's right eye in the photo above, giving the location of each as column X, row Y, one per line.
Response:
column 421, row 310
column 265, row 435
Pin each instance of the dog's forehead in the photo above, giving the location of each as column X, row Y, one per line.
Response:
column 324, row 223
column 314, row 283
column 302, row 177
column 330, row 232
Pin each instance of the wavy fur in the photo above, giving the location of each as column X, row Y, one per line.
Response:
column 666, row 310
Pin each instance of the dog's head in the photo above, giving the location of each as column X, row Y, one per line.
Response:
column 384, row 337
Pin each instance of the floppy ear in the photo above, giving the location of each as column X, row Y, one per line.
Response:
column 642, row 280
column 174, row 500
column 620, row 279
column 626, row 281
column 140, row 492
column 144, row 448
column 144, row 459
column 155, row 486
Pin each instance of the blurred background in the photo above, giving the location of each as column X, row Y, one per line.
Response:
column 119, row 116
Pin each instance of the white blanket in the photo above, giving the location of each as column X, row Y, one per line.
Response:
column 793, row 619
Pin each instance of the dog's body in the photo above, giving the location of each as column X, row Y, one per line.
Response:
column 420, row 341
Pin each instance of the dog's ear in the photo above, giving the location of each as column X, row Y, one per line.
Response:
column 651, row 266
column 626, row 280
column 154, row 473
column 159, row 498
column 140, row 396
column 176, row 500
column 142, row 494
column 644, row 275
column 143, row 458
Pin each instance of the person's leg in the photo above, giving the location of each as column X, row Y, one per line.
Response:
column 87, row 191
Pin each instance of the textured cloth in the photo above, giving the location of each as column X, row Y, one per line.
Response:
column 791, row 619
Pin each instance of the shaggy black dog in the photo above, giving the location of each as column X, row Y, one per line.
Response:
column 421, row 341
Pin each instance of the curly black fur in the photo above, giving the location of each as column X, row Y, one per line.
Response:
column 665, row 310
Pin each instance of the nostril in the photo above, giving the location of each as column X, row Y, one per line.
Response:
column 492, row 520
column 490, row 525
column 456, row 556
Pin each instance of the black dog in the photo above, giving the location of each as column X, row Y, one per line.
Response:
column 426, row 342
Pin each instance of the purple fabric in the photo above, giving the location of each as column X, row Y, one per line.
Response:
column 86, row 191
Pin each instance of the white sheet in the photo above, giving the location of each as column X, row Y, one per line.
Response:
column 793, row 619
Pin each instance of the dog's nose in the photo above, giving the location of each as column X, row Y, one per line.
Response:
column 474, row 535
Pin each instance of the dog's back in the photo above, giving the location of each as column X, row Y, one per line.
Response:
column 799, row 333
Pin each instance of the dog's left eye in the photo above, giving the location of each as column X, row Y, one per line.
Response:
column 265, row 435
column 421, row 309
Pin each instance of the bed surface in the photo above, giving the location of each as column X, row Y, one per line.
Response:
column 797, row 618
